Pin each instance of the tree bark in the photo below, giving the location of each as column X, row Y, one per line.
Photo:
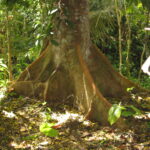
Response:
column 128, row 39
column 75, row 67
column 9, row 47
column 118, row 13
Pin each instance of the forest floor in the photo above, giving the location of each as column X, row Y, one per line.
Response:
column 21, row 117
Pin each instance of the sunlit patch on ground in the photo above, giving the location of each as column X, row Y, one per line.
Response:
column 8, row 114
column 62, row 118
column 21, row 117
column 2, row 93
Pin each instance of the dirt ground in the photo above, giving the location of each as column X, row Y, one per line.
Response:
column 21, row 117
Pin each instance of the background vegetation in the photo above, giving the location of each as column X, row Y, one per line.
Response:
column 117, row 27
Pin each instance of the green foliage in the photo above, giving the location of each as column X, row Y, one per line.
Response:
column 10, row 4
column 47, row 129
column 29, row 23
column 32, row 21
column 3, row 74
column 130, row 89
column 102, row 20
column 145, row 81
column 146, row 4
column 116, row 111
column 47, row 116
column 11, row 94
column 133, row 2
column 30, row 137
column 130, row 110
column 104, row 31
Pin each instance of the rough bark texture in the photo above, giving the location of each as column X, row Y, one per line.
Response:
column 75, row 68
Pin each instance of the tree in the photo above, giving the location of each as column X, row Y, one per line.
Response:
column 9, row 47
column 71, row 67
column 118, row 13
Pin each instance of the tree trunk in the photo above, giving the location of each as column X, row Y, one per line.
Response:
column 118, row 13
column 128, row 38
column 9, row 47
column 75, row 67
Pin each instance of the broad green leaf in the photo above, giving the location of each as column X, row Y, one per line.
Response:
column 114, row 113
column 47, row 129
column 52, row 132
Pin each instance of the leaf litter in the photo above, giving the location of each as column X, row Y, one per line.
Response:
column 21, row 119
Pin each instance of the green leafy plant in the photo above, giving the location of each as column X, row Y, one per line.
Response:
column 48, row 130
column 47, row 116
column 3, row 73
column 130, row 89
column 115, row 113
column 46, row 127
column 130, row 110
column 11, row 94
column 117, row 110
